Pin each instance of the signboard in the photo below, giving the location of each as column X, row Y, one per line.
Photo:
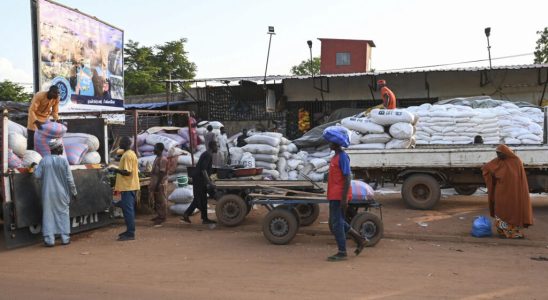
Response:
column 81, row 55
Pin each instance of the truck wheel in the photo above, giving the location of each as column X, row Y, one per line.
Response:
column 466, row 190
column 308, row 213
column 369, row 226
column 231, row 210
column 421, row 191
column 280, row 226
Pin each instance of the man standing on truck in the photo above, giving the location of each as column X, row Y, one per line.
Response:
column 339, row 193
column 43, row 105
column 201, row 183
column 508, row 193
column 387, row 96
column 157, row 186
column 127, row 182
column 57, row 189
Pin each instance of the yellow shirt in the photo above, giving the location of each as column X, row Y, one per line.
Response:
column 41, row 108
column 131, row 182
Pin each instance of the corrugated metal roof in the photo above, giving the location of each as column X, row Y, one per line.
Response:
column 395, row 71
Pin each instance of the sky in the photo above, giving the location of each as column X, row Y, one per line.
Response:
column 229, row 38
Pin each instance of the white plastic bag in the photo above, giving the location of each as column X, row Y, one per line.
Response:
column 179, row 209
column 235, row 154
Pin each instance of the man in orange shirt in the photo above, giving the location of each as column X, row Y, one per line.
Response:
column 388, row 97
column 43, row 105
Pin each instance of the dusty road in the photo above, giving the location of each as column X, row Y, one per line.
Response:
column 193, row 262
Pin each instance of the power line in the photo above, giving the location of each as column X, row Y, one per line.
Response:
column 457, row 63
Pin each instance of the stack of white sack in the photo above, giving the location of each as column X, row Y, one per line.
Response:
column 309, row 163
column 183, row 160
column 455, row 124
column 181, row 197
column 382, row 129
column 265, row 148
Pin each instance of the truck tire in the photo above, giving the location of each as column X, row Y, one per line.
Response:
column 308, row 213
column 280, row 226
column 231, row 210
column 369, row 226
column 466, row 190
column 421, row 191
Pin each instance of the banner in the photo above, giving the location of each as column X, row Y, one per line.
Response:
column 82, row 56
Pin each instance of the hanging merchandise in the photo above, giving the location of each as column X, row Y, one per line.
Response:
column 304, row 120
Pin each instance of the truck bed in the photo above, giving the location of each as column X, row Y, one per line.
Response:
column 448, row 157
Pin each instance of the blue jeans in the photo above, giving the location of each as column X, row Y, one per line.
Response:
column 339, row 225
column 127, row 204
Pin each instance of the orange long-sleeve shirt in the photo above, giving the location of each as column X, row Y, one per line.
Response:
column 388, row 98
column 41, row 108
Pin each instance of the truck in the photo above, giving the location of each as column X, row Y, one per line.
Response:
column 426, row 169
column 21, row 212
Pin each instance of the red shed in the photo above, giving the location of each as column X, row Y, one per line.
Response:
column 345, row 56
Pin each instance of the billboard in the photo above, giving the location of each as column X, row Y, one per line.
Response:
column 81, row 55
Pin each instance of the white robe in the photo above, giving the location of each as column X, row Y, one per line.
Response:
column 57, row 185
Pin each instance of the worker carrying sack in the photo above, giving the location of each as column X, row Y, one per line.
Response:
column 337, row 135
column 481, row 227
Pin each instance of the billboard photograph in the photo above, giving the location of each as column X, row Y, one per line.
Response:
column 82, row 56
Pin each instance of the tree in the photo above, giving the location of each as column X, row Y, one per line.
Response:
column 304, row 67
column 541, row 50
column 10, row 91
column 147, row 67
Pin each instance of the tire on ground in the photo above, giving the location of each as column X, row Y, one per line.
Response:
column 308, row 213
column 466, row 190
column 231, row 210
column 370, row 226
column 280, row 226
column 421, row 191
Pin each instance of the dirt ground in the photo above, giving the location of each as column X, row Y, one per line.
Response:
column 181, row 261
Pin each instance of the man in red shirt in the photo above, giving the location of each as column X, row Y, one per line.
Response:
column 339, row 193
column 387, row 96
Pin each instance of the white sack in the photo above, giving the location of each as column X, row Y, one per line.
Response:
column 235, row 154
column 153, row 139
column 391, row 116
column 269, row 158
column 17, row 143
column 82, row 138
column 186, row 160
column 179, row 209
column 92, row 157
column 398, row 144
column 30, row 157
column 247, row 161
column 265, row 165
column 261, row 149
column 323, row 169
column 318, row 162
column 292, row 148
column 263, row 139
column 182, row 195
column 375, row 138
column 17, row 128
column 362, row 125
column 272, row 173
column 282, row 169
column 401, row 131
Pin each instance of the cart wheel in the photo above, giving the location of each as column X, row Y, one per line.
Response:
column 466, row 190
column 231, row 210
column 370, row 226
column 280, row 226
column 421, row 191
column 308, row 213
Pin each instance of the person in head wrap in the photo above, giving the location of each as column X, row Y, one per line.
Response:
column 57, row 189
column 508, row 193
column 339, row 192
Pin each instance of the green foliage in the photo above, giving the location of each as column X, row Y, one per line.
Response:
column 541, row 50
column 10, row 91
column 147, row 67
column 304, row 67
